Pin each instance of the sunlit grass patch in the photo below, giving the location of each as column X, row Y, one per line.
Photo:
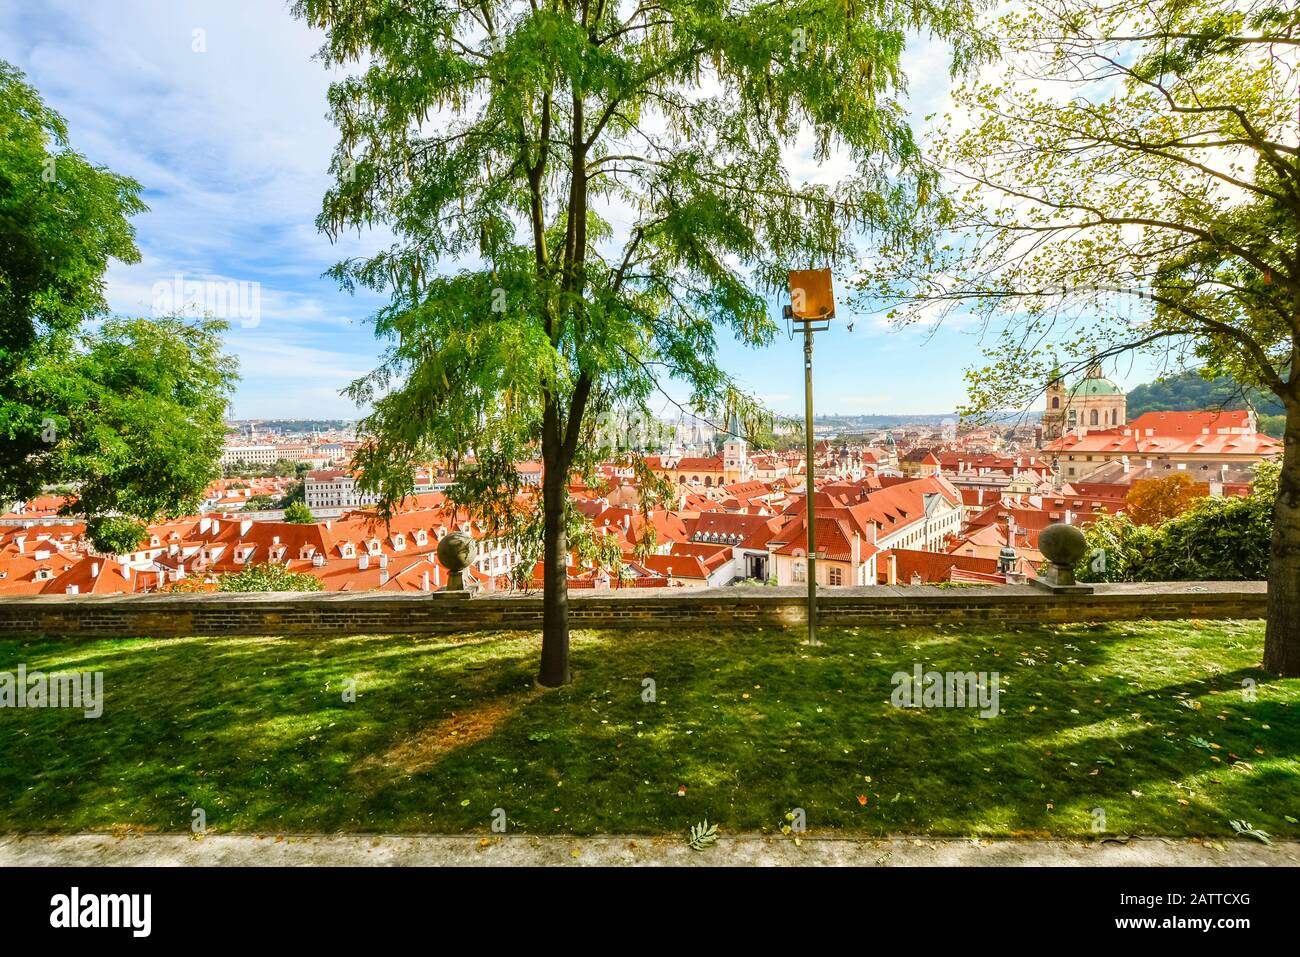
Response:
column 1152, row 728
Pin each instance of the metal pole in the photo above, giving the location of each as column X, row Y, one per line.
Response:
column 808, row 489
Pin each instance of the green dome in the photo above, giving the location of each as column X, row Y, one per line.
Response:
column 1096, row 386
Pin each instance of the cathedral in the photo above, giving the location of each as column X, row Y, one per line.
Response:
column 1094, row 402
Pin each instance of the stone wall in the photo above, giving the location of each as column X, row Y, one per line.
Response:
column 167, row 616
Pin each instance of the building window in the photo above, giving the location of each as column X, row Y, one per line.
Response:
column 798, row 572
column 1093, row 418
column 837, row 576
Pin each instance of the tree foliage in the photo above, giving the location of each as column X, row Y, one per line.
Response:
column 1130, row 182
column 1152, row 501
column 298, row 513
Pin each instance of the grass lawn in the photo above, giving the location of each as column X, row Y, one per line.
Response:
column 1147, row 721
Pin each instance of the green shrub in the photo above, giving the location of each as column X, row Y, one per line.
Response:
column 1217, row 539
column 268, row 577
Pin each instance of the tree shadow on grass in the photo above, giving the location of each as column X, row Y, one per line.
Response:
column 750, row 724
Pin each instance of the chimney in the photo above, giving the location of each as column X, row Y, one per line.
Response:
column 383, row 561
column 94, row 569
column 72, row 589
column 383, row 576
column 20, row 541
column 204, row 524
column 891, row 576
column 363, row 562
column 424, row 581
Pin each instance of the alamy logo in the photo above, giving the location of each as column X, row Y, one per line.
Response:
column 103, row 910
column 224, row 299
column 947, row 689
column 62, row 689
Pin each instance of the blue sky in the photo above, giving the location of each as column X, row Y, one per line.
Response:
column 231, row 143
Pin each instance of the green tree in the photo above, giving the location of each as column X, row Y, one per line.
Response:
column 128, row 413
column 267, row 577
column 602, row 185
column 1132, row 183
column 298, row 513
column 1274, row 425
column 295, row 492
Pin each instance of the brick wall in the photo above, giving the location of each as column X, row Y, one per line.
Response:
column 166, row 616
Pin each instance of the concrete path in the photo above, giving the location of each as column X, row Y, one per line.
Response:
column 523, row 850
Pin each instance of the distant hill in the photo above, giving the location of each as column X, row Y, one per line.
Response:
column 1191, row 392
column 882, row 421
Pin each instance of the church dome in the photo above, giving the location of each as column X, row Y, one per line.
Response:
column 1095, row 386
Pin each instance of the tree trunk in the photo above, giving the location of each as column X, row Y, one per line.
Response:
column 1282, row 638
column 555, row 554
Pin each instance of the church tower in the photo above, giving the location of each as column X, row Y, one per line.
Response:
column 1054, row 416
column 735, row 455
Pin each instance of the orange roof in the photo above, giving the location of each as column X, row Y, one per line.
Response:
column 931, row 566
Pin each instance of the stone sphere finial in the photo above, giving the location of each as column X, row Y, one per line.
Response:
column 1063, row 546
column 456, row 551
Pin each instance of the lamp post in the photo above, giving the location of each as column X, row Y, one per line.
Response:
column 812, row 306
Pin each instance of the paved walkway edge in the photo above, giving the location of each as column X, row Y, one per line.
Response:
column 439, row 850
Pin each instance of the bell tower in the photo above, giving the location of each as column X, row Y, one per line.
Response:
column 1054, row 415
column 735, row 454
